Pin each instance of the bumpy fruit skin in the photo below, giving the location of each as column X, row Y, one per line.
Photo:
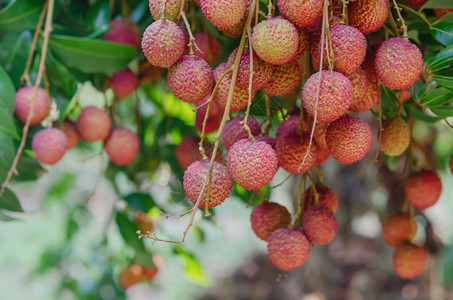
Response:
column 359, row 84
column 195, row 177
column 124, row 32
column 326, row 197
column 94, row 124
column 209, row 46
column 368, row 16
column 284, row 81
column 395, row 137
column 349, row 139
column 224, row 13
column 369, row 100
column 130, row 276
column 122, row 146
column 172, row 8
column 398, row 63
column 409, row 260
column 301, row 13
column 268, row 217
column 252, row 164
column 22, row 105
column 320, row 224
column 124, row 83
column 190, row 79
column 399, row 228
column 288, row 248
column 335, row 95
column 49, row 145
column 187, row 152
column 163, row 43
column 304, row 42
column 275, row 40
column 234, row 130
column 70, row 130
column 423, row 189
column 267, row 139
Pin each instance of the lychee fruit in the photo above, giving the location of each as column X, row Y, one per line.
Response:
column 49, row 145
column 163, row 43
column 288, row 248
column 190, row 79
column 41, row 107
column 415, row 3
column 409, row 260
column 94, row 124
column 130, row 276
column 349, row 139
column 267, row 139
column 122, row 146
column 291, row 122
column 212, row 123
column 70, row 130
column 398, row 63
column 403, row 95
column 123, row 31
column 301, row 13
column 359, row 84
column 124, row 83
column 188, row 152
column 395, row 137
column 304, row 42
column 252, row 164
column 224, row 14
column 234, row 130
column 150, row 272
column 399, row 228
column 320, row 224
column 284, row 81
column 172, row 8
column 275, row 40
column 368, row 16
column 369, row 99
column 440, row 12
column 326, row 197
column 268, row 217
column 335, row 95
column 209, row 46
column 423, row 189
column 196, row 176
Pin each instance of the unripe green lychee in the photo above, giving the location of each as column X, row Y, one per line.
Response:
column 320, row 224
column 423, row 189
column 398, row 63
column 224, row 14
column 275, row 40
column 94, row 124
column 70, row 130
column 301, row 13
column 359, row 84
column 195, row 177
column 190, row 79
column 409, row 260
column 326, row 197
column 368, row 16
column 234, row 130
column 123, row 31
column 268, row 217
column 124, row 83
column 209, row 46
column 288, row 248
column 41, row 107
column 349, row 139
column 284, row 81
column 172, row 8
column 122, row 146
column 252, row 164
column 399, row 228
column 335, row 95
column 395, row 137
column 163, row 43
column 49, row 145
column 188, row 152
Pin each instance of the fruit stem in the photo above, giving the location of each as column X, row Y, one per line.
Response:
column 191, row 38
column 249, row 102
column 400, row 19
column 162, row 13
column 270, row 10
column 300, row 200
column 268, row 125
column 344, row 12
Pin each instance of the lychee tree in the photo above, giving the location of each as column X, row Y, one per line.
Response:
column 220, row 99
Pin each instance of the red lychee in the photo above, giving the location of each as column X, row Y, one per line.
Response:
column 304, row 42
column 124, row 83
column 209, row 46
column 369, row 100
column 320, row 224
column 284, row 81
column 335, row 95
column 301, row 13
column 403, row 95
column 326, row 197
column 409, row 260
column 275, row 40
column 423, row 189
column 70, row 130
column 94, row 124
column 399, row 228
column 267, row 139
column 288, row 248
column 195, row 177
column 349, row 139
column 163, row 43
column 359, row 84
column 130, row 276
column 415, row 3
column 188, row 152
column 224, row 14
column 172, row 8
column 368, row 16
column 398, row 63
column 123, row 31
column 268, row 217
column 252, row 164
column 49, row 145
column 395, row 137
column 122, row 146
column 190, row 79
column 234, row 130
column 439, row 12
column 212, row 123
column 41, row 107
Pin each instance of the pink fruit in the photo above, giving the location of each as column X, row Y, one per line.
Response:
column 319, row 224
column 212, row 123
column 234, row 130
column 49, row 145
column 124, row 83
column 224, row 14
column 423, row 189
column 172, row 8
column 22, row 107
column 268, row 217
column 359, row 84
column 188, row 152
column 301, row 13
column 326, row 197
column 409, row 260
column 284, row 81
column 70, row 130
column 209, row 46
column 368, row 16
column 94, row 124
column 122, row 146
column 123, row 31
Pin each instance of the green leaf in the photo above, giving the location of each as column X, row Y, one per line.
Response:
column 8, row 93
column 441, row 61
column 7, row 124
column 28, row 169
column 443, row 111
column 7, row 152
column 445, row 81
column 91, row 56
column 20, row 15
column 60, row 76
column 140, row 201
column 194, row 270
column 128, row 231
column 443, row 32
column 14, row 53
column 9, row 201
column 5, row 218
column 438, row 96
column 437, row 4
column 420, row 115
column 98, row 16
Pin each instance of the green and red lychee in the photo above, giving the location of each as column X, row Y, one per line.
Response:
column 268, row 217
column 224, row 14
column 399, row 228
column 320, row 224
column 409, row 260
column 49, row 145
column 423, row 189
column 22, row 106
column 368, row 16
column 395, row 136
column 284, row 81
column 122, row 146
column 172, row 8
column 94, row 124
column 301, row 13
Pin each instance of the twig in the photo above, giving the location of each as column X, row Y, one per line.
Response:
column 251, row 73
column 400, row 18
column 268, row 125
column 344, row 12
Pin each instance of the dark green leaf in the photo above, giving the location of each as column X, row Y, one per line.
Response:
column 7, row 95
column 128, row 230
column 443, row 32
column 445, row 81
column 5, row 218
column 20, row 15
column 443, row 111
column 7, row 124
column 91, row 56
column 438, row 96
column 98, row 16
column 60, row 76
column 441, row 61
column 9, row 201
column 420, row 115
column 28, row 168
column 437, row 4
column 14, row 53
column 140, row 201
column 389, row 102
column 6, row 156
